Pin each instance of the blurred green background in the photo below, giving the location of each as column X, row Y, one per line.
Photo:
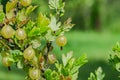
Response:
column 97, row 29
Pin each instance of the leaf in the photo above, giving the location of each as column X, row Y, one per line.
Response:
column 53, row 24
column 43, row 23
column 118, row 67
column 30, row 9
column 34, row 32
column 75, row 76
column 99, row 75
column 1, row 8
column 48, row 74
column 20, row 64
column 58, row 6
column 29, row 26
column 10, row 5
column 49, row 36
column 92, row 77
column 65, row 59
column 67, row 24
column 81, row 61
column 10, row 14
column 2, row 16
column 21, row 15
column 54, row 4
column 36, row 43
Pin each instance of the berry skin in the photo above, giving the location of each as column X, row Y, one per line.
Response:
column 20, row 34
column 7, row 31
column 34, row 73
column 29, row 53
column 51, row 58
column 26, row 2
column 5, row 61
column 61, row 41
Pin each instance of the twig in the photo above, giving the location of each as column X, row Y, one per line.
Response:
column 4, row 44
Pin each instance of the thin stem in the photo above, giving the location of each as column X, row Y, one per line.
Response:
column 5, row 44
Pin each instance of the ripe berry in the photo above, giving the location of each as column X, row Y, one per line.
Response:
column 61, row 41
column 29, row 53
column 5, row 61
column 34, row 73
column 7, row 31
column 20, row 34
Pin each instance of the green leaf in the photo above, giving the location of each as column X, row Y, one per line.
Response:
column 75, row 76
column 54, row 4
column 67, row 24
column 29, row 26
column 1, row 8
column 10, row 5
column 36, row 43
column 30, row 9
column 92, row 77
column 99, row 75
column 81, row 61
column 118, row 67
column 49, row 36
column 58, row 6
column 20, row 64
column 34, row 32
column 48, row 74
column 10, row 14
column 66, row 58
column 2, row 16
column 53, row 24
column 21, row 15
column 43, row 23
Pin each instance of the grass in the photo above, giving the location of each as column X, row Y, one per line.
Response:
column 96, row 45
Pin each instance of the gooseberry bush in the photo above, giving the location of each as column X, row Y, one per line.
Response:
column 114, row 59
column 27, row 41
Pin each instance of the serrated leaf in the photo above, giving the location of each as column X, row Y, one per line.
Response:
column 49, row 36
column 10, row 14
column 36, row 43
column 98, row 75
column 48, row 74
column 1, row 8
column 75, row 76
column 92, row 77
column 30, row 9
column 34, row 32
column 117, row 66
column 81, row 61
column 43, row 23
column 53, row 24
column 21, row 15
column 10, row 5
column 54, row 4
column 2, row 16
column 19, row 65
column 67, row 24
column 66, row 58
column 29, row 26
